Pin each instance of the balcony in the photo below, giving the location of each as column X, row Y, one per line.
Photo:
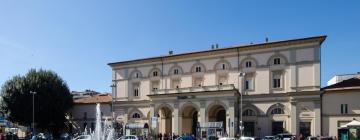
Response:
column 195, row 89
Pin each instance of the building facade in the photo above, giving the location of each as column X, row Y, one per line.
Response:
column 83, row 115
column 340, row 105
column 279, row 81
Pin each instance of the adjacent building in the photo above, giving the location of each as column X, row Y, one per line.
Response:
column 199, row 92
column 340, row 105
column 83, row 115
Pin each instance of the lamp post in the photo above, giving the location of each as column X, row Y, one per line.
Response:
column 242, row 76
column 33, row 111
column 113, row 88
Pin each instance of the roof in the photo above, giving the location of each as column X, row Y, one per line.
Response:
column 273, row 44
column 100, row 98
column 352, row 83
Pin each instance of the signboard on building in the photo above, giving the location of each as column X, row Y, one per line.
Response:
column 154, row 122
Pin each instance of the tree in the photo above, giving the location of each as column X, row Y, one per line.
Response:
column 51, row 100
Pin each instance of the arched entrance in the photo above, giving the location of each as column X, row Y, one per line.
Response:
column 217, row 113
column 189, row 120
column 164, row 120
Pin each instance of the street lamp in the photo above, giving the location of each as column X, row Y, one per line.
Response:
column 242, row 76
column 113, row 88
column 33, row 112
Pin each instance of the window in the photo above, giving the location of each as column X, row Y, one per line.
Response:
column 155, row 73
column 247, row 84
column 248, row 64
column 277, row 111
column 137, row 75
column 197, row 69
column 176, row 71
column 277, row 61
column 248, row 112
column 136, row 89
column 136, row 92
column 223, row 66
column 344, row 109
column 276, row 81
column 136, row 116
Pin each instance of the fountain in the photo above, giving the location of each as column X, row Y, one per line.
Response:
column 101, row 133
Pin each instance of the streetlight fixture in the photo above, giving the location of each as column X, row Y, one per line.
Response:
column 113, row 88
column 33, row 111
column 242, row 76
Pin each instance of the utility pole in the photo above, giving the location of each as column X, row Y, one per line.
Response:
column 241, row 127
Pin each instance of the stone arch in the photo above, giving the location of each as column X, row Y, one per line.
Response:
column 164, row 105
column 249, row 58
column 170, row 72
column 133, row 72
column 277, row 105
column 187, row 104
column 134, row 110
column 198, row 64
column 222, row 61
column 214, row 103
column 154, row 69
column 252, row 107
column 277, row 55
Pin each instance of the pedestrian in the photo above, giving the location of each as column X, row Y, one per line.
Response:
column 160, row 136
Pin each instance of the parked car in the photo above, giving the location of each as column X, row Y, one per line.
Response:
column 284, row 136
column 83, row 137
column 311, row 138
column 268, row 138
column 129, row 137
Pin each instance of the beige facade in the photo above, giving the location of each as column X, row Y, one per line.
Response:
column 281, row 89
column 339, row 107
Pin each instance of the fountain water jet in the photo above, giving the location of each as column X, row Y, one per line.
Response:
column 101, row 133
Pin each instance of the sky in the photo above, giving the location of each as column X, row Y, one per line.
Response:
column 78, row 38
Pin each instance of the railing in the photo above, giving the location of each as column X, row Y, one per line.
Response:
column 195, row 89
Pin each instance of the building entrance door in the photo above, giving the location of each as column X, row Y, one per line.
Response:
column 305, row 129
column 277, row 127
column 249, row 129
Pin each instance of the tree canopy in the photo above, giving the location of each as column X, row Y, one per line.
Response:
column 52, row 99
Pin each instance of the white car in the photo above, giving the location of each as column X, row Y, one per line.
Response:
column 129, row 137
column 226, row 138
column 247, row 138
column 83, row 137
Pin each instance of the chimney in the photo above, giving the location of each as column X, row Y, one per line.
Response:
column 216, row 46
column 171, row 52
column 266, row 39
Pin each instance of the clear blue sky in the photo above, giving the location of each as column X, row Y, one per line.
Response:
column 77, row 38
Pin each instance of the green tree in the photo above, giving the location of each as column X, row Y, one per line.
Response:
column 51, row 101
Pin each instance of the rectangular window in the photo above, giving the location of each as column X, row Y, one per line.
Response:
column 247, row 85
column 136, row 92
column 276, row 61
column 344, row 109
column 276, row 83
column 248, row 64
